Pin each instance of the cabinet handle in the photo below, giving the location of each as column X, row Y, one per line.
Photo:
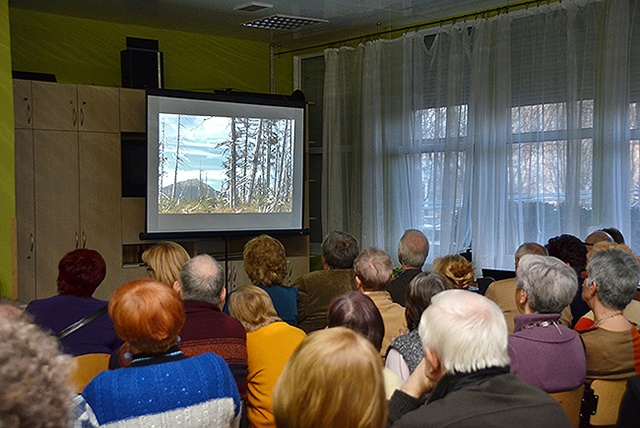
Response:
column 75, row 117
column 84, row 240
column 32, row 245
column 77, row 240
column 81, row 117
column 28, row 113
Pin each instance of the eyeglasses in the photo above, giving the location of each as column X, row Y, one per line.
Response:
column 148, row 268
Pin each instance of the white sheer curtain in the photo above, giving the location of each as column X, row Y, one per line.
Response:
column 513, row 130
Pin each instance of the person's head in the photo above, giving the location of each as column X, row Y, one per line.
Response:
column 164, row 261
column 546, row 284
column 464, row 331
column 456, row 268
column 374, row 269
column 570, row 250
column 356, row 310
column 413, row 248
column 265, row 261
column 419, row 293
column 615, row 234
column 339, row 250
column 332, row 380
column 606, row 245
column 36, row 391
column 201, row 279
column 147, row 315
column 80, row 272
column 612, row 276
column 530, row 248
column 597, row 236
column 253, row 307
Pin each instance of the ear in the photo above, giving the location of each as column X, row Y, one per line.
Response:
column 433, row 370
column 358, row 283
column 325, row 266
column 591, row 288
column 522, row 299
column 223, row 295
column 178, row 288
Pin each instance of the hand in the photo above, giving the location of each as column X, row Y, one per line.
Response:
column 418, row 383
column 401, row 332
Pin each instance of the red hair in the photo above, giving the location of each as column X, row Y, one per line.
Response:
column 147, row 315
column 80, row 272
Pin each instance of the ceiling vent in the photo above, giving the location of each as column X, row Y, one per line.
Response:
column 282, row 22
column 253, row 7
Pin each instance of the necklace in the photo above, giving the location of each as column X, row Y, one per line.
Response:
column 606, row 318
column 538, row 324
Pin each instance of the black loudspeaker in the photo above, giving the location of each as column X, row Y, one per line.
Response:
column 142, row 68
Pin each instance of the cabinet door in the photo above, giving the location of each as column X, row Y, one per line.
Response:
column 100, row 203
column 56, row 204
column 133, row 110
column 98, row 109
column 25, row 216
column 55, row 106
column 22, row 101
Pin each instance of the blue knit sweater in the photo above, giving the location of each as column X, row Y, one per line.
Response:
column 194, row 392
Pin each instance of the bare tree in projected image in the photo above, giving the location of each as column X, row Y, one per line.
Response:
column 162, row 162
column 178, row 159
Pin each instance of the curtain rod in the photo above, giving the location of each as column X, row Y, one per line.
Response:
column 486, row 13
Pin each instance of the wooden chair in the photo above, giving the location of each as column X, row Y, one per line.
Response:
column 609, row 393
column 571, row 402
column 87, row 367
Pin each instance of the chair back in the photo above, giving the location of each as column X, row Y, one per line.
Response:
column 87, row 367
column 571, row 402
column 609, row 394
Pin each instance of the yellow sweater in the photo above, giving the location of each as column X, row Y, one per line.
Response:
column 268, row 350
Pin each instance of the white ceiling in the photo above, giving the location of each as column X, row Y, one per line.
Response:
column 347, row 18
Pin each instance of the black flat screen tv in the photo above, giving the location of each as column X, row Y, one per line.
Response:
column 223, row 163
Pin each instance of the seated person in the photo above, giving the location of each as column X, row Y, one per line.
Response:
column 612, row 343
column 164, row 261
column 413, row 250
column 270, row 343
column 405, row 353
column 457, row 269
column 80, row 273
column 332, row 380
column 543, row 352
column 161, row 387
column 356, row 311
column 466, row 370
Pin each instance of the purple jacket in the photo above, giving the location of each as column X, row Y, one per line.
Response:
column 546, row 354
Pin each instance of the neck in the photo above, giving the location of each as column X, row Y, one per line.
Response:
column 609, row 319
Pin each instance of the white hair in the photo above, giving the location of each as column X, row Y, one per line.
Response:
column 466, row 331
column 550, row 283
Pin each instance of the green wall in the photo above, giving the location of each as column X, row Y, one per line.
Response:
column 84, row 51
column 7, row 190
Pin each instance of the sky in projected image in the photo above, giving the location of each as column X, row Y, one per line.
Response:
column 201, row 151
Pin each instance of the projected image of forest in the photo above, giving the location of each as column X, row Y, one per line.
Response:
column 211, row 164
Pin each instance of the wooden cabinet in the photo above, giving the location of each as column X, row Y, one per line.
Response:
column 133, row 110
column 67, row 181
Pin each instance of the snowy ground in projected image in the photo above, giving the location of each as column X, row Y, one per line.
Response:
column 211, row 164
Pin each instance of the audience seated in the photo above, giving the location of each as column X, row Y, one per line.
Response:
column 164, row 261
column 265, row 262
column 543, row 352
column 161, row 387
column 573, row 252
column 270, row 343
column 405, row 353
column 612, row 343
column 317, row 289
column 632, row 310
column 206, row 328
column 374, row 270
column 458, row 269
column 466, row 369
column 333, row 380
column 80, row 273
column 357, row 312
column 413, row 250
column 502, row 291
column 34, row 374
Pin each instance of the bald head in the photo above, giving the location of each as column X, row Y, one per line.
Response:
column 530, row 248
column 598, row 236
column 413, row 249
column 202, row 279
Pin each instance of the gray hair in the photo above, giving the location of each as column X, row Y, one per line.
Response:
column 466, row 331
column 36, row 391
column 531, row 248
column 413, row 248
column 202, row 279
column 617, row 274
column 339, row 250
column 374, row 268
column 550, row 284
